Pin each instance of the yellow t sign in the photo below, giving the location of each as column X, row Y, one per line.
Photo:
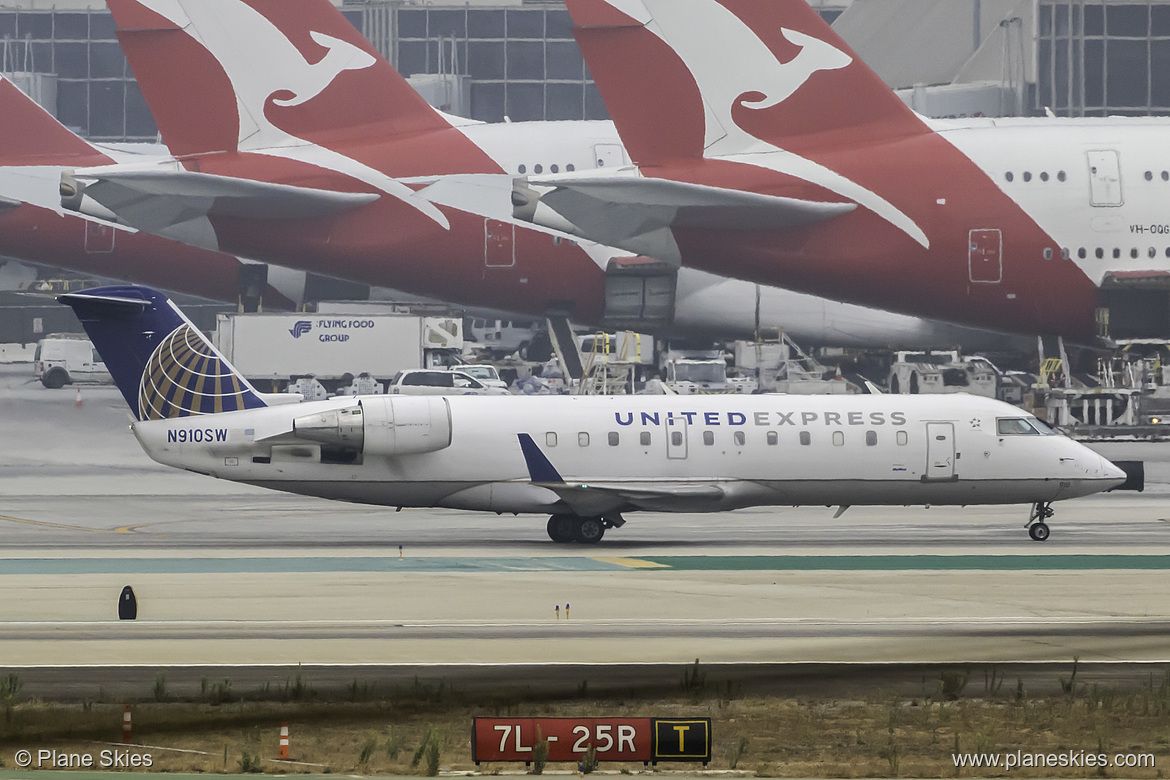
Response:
column 682, row 730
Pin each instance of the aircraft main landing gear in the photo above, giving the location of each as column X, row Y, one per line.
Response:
column 584, row 530
column 1037, row 528
column 562, row 528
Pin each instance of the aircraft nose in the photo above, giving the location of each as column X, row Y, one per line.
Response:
column 1112, row 472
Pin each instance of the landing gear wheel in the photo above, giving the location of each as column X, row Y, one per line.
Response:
column 590, row 530
column 562, row 528
column 1037, row 528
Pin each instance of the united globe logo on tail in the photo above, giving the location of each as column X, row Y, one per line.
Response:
column 185, row 377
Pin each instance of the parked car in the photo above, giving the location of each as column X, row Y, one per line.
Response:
column 431, row 382
column 488, row 375
column 67, row 359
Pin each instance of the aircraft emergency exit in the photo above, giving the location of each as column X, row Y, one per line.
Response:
column 766, row 149
column 325, row 181
column 584, row 460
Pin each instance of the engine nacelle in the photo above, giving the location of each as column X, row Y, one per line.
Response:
column 382, row 425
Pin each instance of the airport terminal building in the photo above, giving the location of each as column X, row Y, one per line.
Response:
column 494, row 59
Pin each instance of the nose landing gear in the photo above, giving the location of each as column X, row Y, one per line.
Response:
column 1037, row 528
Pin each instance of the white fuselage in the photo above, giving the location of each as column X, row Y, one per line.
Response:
column 652, row 453
column 1061, row 173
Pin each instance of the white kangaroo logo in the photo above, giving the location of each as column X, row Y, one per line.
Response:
column 341, row 56
column 260, row 62
column 785, row 78
column 728, row 60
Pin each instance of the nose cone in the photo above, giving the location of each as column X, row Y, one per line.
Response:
column 1112, row 473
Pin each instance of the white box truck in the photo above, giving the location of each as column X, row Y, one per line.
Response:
column 272, row 350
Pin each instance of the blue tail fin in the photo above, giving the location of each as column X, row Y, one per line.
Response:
column 160, row 361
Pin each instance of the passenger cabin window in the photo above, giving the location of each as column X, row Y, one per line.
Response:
column 871, row 438
column 838, row 438
column 582, row 439
column 739, row 438
column 614, row 438
column 805, row 438
column 1014, row 426
column 708, row 438
column 550, row 439
column 644, row 437
column 676, row 438
column 902, row 438
column 773, row 438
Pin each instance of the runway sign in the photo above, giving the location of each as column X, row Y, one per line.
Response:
column 648, row 740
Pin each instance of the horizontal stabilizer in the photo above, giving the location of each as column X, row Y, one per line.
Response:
column 637, row 214
column 155, row 200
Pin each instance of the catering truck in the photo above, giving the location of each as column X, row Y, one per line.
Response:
column 276, row 350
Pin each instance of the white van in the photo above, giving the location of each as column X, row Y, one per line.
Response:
column 66, row 359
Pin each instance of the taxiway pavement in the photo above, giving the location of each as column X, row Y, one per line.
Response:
column 227, row 574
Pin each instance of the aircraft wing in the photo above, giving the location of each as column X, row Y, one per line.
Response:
column 590, row 499
column 600, row 498
column 157, row 199
column 637, row 214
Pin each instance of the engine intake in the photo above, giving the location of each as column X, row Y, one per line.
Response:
column 387, row 426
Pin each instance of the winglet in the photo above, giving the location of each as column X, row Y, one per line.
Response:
column 540, row 469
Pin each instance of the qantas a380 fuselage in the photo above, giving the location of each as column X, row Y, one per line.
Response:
column 767, row 149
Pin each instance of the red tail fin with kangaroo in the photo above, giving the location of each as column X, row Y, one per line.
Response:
column 718, row 77
column 29, row 135
column 222, row 75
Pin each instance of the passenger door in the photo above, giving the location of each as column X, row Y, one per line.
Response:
column 1104, row 178
column 985, row 256
column 940, row 452
column 608, row 155
column 499, row 245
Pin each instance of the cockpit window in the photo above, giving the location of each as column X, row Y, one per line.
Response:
column 1015, row 426
column 1044, row 428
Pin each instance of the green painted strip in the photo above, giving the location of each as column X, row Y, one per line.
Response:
column 907, row 562
column 48, row 566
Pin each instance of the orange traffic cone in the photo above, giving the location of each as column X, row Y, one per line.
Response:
column 127, row 736
column 283, row 741
column 78, row 402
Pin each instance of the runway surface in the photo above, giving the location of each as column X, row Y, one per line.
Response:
column 227, row 574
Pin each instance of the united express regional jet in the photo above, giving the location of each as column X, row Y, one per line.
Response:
column 585, row 461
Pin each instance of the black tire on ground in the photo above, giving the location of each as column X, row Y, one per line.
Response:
column 562, row 528
column 55, row 379
column 590, row 530
column 1039, row 532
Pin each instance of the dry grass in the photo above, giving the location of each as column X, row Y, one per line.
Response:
column 872, row 735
